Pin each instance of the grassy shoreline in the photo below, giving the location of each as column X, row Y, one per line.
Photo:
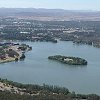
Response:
column 7, row 60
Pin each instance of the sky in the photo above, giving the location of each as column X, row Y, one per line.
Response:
column 53, row 4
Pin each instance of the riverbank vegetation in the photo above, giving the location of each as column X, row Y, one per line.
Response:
column 69, row 60
column 10, row 90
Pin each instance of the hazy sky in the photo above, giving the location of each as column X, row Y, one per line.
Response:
column 63, row 4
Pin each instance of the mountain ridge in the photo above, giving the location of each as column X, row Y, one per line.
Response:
column 51, row 14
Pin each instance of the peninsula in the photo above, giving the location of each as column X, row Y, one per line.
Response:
column 12, row 52
column 69, row 60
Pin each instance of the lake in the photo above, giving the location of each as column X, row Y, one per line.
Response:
column 37, row 69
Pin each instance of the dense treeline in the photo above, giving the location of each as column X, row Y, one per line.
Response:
column 69, row 60
column 30, row 88
column 44, row 92
column 10, row 96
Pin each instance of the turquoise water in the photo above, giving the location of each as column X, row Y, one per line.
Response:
column 37, row 69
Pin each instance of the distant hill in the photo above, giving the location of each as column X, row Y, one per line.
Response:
column 50, row 14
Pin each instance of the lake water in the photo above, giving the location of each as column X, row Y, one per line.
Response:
column 37, row 69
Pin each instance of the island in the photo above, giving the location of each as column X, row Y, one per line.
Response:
column 69, row 60
column 13, row 52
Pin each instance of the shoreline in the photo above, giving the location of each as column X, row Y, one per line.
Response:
column 13, row 52
column 7, row 60
column 69, row 60
column 34, row 90
column 95, row 45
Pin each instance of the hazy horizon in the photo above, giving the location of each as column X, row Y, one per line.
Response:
column 48, row 8
column 52, row 4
